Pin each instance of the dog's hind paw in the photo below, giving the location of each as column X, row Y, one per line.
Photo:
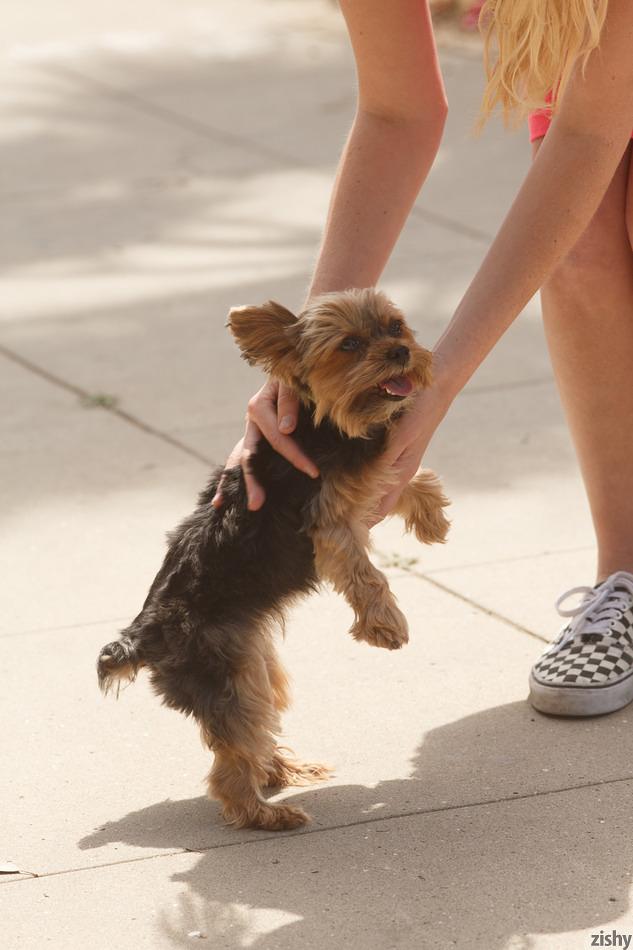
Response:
column 267, row 817
column 286, row 772
column 118, row 662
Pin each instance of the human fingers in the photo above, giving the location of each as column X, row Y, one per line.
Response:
column 404, row 469
column 232, row 461
column 241, row 455
column 287, row 409
column 254, row 491
column 262, row 410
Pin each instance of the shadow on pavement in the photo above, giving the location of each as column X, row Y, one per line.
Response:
column 458, row 876
column 147, row 196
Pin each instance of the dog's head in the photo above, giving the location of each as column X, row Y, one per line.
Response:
column 349, row 354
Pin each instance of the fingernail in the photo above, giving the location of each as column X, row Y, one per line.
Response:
column 311, row 471
column 286, row 423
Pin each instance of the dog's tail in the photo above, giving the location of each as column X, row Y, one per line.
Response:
column 118, row 662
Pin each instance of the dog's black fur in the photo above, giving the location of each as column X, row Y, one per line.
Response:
column 232, row 569
column 205, row 633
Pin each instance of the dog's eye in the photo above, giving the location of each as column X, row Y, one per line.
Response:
column 395, row 328
column 350, row 343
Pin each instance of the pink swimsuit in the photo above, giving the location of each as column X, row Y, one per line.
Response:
column 539, row 122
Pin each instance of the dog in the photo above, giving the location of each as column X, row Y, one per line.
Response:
column 205, row 633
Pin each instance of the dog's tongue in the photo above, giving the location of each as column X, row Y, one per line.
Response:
column 397, row 385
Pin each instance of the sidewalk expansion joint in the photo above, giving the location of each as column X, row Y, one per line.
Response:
column 503, row 387
column 34, row 631
column 146, row 427
column 193, row 453
column 341, row 826
column 82, row 393
column 243, row 142
column 171, row 117
column 450, row 224
column 475, row 604
column 532, row 556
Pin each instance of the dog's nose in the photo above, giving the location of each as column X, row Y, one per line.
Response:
column 399, row 353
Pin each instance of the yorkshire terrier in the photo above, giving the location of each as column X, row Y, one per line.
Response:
column 205, row 632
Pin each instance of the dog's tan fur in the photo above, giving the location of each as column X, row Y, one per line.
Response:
column 305, row 353
column 240, row 717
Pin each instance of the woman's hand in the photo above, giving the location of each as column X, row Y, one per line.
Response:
column 409, row 439
column 272, row 412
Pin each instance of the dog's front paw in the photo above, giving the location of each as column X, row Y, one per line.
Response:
column 431, row 527
column 422, row 506
column 386, row 628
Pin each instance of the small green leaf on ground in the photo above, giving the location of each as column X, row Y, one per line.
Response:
column 398, row 560
column 99, row 400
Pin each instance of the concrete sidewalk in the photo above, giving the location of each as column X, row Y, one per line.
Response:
column 161, row 163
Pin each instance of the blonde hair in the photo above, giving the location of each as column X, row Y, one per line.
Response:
column 536, row 45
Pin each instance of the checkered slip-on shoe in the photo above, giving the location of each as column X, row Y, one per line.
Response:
column 588, row 670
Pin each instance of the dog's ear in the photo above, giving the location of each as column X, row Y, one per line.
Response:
column 267, row 336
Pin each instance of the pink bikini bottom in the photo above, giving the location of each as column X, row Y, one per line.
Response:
column 539, row 122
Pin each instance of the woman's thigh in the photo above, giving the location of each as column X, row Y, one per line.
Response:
column 605, row 246
column 629, row 206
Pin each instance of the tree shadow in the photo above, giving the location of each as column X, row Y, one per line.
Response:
column 148, row 195
column 480, row 847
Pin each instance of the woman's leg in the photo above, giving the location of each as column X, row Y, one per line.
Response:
column 588, row 317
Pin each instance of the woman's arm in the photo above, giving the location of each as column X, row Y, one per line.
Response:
column 394, row 138
column 558, row 198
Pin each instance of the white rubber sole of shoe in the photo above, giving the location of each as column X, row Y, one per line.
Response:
column 580, row 700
